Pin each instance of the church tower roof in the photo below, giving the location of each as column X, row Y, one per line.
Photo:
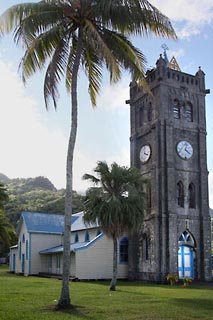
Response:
column 173, row 64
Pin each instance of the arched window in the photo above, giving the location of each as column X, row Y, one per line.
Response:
column 191, row 195
column 180, row 194
column 87, row 237
column 176, row 109
column 149, row 112
column 186, row 238
column 27, row 250
column 189, row 112
column 19, row 250
column 123, row 250
column 23, row 238
column 145, row 247
column 76, row 237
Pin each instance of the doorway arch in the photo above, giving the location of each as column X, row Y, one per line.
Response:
column 186, row 255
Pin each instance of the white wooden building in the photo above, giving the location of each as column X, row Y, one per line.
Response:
column 40, row 248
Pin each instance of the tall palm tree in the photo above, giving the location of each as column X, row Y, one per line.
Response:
column 68, row 34
column 117, row 203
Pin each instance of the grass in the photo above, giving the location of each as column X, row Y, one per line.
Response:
column 35, row 298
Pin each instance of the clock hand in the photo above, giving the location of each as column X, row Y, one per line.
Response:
column 187, row 151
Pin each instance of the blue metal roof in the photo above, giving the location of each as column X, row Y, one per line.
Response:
column 60, row 249
column 44, row 222
column 73, row 247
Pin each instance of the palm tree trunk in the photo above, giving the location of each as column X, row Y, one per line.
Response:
column 115, row 265
column 65, row 294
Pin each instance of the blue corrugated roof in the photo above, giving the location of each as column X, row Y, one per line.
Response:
column 60, row 249
column 73, row 247
column 45, row 223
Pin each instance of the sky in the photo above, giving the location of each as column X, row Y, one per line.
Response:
column 33, row 141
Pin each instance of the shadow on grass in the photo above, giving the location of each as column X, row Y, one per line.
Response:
column 196, row 284
column 194, row 304
column 73, row 310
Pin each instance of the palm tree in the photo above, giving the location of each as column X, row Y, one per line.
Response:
column 117, row 203
column 68, row 34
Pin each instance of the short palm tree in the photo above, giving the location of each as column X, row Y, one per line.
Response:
column 117, row 204
column 68, row 34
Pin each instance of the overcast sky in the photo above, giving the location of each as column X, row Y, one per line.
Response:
column 34, row 142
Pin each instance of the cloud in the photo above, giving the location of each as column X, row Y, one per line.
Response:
column 28, row 147
column 32, row 146
column 85, row 163
column 113, row 96
column 188, row 17
column 178, row 53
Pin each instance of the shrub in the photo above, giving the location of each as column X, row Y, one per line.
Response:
column 186, row 281
column 172, row 279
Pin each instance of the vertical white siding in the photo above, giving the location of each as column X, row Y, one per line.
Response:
column 73, row 266
column 41, row 241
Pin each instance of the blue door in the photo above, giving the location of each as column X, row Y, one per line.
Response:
column 185, row 262
column 14, row 263
column 23, row 263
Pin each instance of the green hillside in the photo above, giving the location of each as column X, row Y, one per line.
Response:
column 37, row 195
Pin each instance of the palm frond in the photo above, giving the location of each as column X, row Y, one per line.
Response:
column 91, row 178
column 93, row 67
column 94, row 32
column 56, row 69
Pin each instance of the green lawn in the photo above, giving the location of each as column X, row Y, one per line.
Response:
column 34, row 298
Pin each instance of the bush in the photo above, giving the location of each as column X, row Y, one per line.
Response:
column 172, row 279
column 186, row 281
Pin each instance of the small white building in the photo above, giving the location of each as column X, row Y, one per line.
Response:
column 40, row 248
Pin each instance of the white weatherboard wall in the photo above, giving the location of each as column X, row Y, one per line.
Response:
column 81, row 234
column 72, row 266
column 96, row 261
column 42, row 241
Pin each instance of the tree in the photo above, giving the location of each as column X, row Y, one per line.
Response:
column 3, row 195
column 117, row 204
column 72, row 33
column 7, row 233
column 6, row 230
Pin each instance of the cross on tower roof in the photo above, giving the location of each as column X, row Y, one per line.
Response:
column 165, row 48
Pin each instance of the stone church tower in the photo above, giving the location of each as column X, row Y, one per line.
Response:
column 168, row 145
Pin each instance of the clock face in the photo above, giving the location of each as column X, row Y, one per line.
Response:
column 184, row 149
column 145, row 153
